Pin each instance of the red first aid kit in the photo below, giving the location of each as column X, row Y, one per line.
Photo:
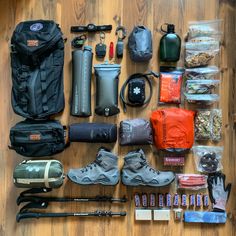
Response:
column 173, row 129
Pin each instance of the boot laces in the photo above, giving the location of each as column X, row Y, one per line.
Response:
column 91, row 165
column 147, row 166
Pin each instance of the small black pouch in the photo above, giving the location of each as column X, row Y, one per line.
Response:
column 136, row 91
column 93, row 132
column 37, row 138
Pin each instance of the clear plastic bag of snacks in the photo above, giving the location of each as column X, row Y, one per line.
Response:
column 210, row 28
column 208, row 158
column 201, row 86
column 203, row 125
column 205, row 99
column 202, row 73
column 201, row 53
column 204, row 39
column 216, row 131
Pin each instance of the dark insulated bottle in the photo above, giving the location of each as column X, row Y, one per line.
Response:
column 81, row 82
column 170, row 45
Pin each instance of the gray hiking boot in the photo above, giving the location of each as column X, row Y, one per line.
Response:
column 136, row 171
column 104, row 170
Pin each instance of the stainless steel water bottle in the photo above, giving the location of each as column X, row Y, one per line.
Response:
column 81, row 84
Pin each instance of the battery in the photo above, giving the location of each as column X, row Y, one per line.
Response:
column 152, row 199
column 184, row 200
column 168, row 200
column 160, row 200
column 198, row 200
column 205, row 200
column 176, row 200
column 191, row 200
column 144, row 200
column 137, row 200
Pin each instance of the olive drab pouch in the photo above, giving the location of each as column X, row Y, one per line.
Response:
column 38, row 138
column 38, row 174
column 37, row 58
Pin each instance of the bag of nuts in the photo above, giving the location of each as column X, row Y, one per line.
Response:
column 216, row 117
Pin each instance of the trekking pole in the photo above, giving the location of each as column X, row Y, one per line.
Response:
column 98, row 213
column 28, row 196
column 38, row 199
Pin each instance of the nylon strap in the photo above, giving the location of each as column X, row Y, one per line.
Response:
column 23, row 85
column 43, row 78
column 46, row 173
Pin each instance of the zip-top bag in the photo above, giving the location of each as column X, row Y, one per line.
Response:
column 38, row 138
column 38, row 174
column 37, row 59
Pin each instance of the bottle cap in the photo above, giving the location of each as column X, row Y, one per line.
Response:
column 89, row 48
column 170, row 28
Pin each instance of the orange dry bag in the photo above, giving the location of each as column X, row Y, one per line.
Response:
column 173, row 129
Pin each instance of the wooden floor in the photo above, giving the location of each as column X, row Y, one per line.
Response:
column 151, row 13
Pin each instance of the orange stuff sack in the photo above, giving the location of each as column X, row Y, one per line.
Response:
column 173, row 129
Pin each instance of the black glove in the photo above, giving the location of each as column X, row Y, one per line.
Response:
column 219, row 194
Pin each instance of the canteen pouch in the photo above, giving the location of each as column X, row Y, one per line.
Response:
column 107, row 76
column 37, row 138
column 38, row 174
column 140, row 44
column 93, row 132
column 135, row 132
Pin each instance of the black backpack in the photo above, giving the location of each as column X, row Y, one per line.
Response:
column 33, row 138
column 37, row 59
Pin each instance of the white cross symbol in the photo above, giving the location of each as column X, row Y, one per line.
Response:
column 136, row 90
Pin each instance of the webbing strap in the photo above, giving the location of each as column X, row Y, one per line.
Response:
column 43, row 78
column 22, row 77
column 46, row 174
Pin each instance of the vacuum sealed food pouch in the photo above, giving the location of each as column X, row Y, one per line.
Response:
column 170, row 85
column 210, row 28
column 208, row 158
column 202, row 73
column 200, row 53
column 191, row 181
column 201, row 86
column 173, row 129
